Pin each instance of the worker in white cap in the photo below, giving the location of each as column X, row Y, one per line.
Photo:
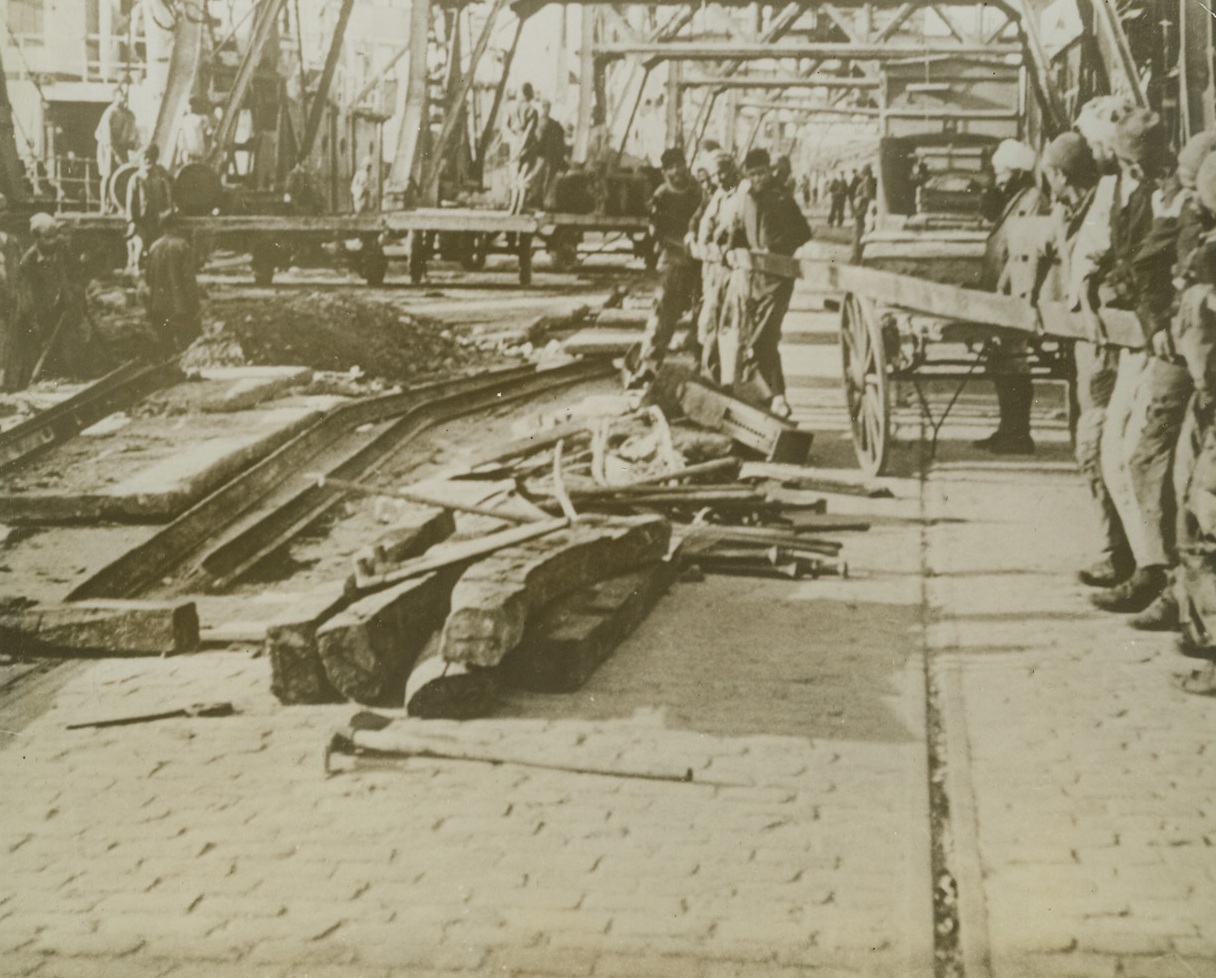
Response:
column 1015, row 193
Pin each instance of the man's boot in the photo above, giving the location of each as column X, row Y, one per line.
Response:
column 1135, row 594
column 1014, row 392
column 1109, row 571
column 1160, row 616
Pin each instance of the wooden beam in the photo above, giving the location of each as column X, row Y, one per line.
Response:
column 829, row 50
column 115, row 627
column 778, row 82
column 320, row 98
column 494, row 600
column 264, row 20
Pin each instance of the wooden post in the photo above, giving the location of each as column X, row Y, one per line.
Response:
column 320, row 98
column 413, row 137
column 587, row 93
column 675, row 132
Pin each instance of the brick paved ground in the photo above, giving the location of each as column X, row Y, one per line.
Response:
column 1090, row 783
column 215, row 847
column 1082, row 807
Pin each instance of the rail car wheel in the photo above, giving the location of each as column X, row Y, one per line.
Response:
column 865, row 383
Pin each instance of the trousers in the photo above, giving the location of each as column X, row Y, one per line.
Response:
column 678, row 281
column 1096, row 371
column 1169, row 390
column 1125, row 414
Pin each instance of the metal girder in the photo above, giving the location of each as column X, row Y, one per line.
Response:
column 772, row 81
column 714, row 51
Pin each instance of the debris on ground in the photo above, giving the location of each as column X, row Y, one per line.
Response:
column 122, row 627
column 526, row 566
column 331, row 332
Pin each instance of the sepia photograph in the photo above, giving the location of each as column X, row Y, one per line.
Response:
column 590, row 489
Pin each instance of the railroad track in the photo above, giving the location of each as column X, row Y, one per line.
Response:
column 221, row 538
column 115, row 391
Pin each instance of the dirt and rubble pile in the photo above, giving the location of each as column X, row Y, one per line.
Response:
column 333, row 332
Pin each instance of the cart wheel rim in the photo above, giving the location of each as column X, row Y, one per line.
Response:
column 867, row 395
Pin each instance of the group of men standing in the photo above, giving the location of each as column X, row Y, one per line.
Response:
column 1135, row 231
column 536, row 143
column 739, row 311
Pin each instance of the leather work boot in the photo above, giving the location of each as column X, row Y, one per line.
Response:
column 1133, row 595
column 1160, row 616
column 1107, row 572
column 1005, row 443
column 1014, row 396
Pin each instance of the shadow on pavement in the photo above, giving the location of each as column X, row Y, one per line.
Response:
column 784, row 663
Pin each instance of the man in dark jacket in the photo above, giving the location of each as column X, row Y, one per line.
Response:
column 672, row 209
column 173, row 300
column 149, row 201
column 769, row 220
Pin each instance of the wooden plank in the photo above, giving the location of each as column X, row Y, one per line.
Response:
column 441, row 690
column 948, row 301
column 117, row 627
column 297, row 673
column 622, row 319
column 572, row 637
column 494, row 599
column 416, row 531
column 601, row 342
column 450, row 554
column 776, row 439
column 368, row 649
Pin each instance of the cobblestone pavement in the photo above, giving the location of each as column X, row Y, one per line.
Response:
column 1081, row 808
column 1085, row 813
column 217, row 847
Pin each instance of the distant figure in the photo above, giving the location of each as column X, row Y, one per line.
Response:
column 173, row 299
column 117, row 138
column 838, row 190
column 49, row 334
column 522, row 136
column 552, row 154
column 361, row 188
column 195, row 134
column 10, row 261
column 149, row 202
column 601, row 155
column 300, row 191
column 863, row 199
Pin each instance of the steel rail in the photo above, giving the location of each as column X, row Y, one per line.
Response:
column 236, row 504
column 158, row 556
column 229, row 562
column 113, row 392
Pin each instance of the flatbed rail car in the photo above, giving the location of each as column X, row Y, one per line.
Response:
column 464, row 235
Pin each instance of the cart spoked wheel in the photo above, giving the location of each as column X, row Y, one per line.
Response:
column 865, row 383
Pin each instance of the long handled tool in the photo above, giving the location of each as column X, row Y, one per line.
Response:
column 420, row 499
column 357, row 747
column 196, row 710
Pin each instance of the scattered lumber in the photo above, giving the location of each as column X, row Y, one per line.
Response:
column 116, row 627
column 569, row 639
column 622, row 319
column 418, row 498
column 368, row 649
column 600, row 342
column 415, row 532
column 452, row 554
column 777, row 439
column 802, row 477
column 297, row 673
column 529, row 445
column 494, row 599
column 760, row 551
column 441, row 690
column 194, row 710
